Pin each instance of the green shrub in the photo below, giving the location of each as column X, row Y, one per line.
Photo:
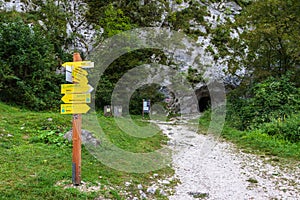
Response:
column 288, row 129
column 28, row 63
column 271, row 99
column 51, row 137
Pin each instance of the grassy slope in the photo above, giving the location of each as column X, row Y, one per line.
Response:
column 30, row 169
column 255, row 141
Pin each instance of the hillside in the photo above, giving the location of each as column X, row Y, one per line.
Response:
column 183, row 75
column 36, row 160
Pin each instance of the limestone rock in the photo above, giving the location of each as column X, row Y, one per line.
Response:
column 86, row 137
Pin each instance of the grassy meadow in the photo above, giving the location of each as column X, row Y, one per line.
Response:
column 36, row 161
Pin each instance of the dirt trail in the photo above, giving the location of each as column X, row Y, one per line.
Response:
column 225, row 172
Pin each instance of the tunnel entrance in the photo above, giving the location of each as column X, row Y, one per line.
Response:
column 204, row 104
column 203, row 97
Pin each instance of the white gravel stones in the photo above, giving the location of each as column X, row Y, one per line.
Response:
column 224, row 172
column 162, row 192
column 165, row 182
column 143, row 195
column 152, row 190
column 127, row 184
column 140, row 187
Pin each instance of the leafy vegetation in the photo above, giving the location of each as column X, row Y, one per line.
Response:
column 266, row 46
column 267, row 42
column 258, row 140
column 272, row 99
column 27, row 75
column 263, row 111
column 117, row 69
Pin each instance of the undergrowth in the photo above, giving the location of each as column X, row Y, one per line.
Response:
column 258, row 139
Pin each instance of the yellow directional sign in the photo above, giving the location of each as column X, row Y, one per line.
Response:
column 83, row 64
column 77, row 98
column 74, row 108
column 79, row 70
column 76, row 88
column 79, row 78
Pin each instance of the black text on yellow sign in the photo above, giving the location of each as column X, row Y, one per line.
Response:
column 74, row 108
column 76, row 98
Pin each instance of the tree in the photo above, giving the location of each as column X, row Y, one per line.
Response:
column 28, row 63
column 268, row 42
column 272, row 99
column 114, row 22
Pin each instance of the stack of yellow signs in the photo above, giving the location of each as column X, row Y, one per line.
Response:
column 78, row 94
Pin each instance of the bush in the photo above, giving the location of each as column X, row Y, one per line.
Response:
column 28, row 63
column 288, row 129
column 51, row 137
column 268, row 100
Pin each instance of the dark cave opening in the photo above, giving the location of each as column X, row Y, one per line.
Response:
column 204, row 103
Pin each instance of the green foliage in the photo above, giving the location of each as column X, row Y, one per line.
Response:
column 270, row 100
column 27, row 72
column 146, row 92
column 267, row 47
column 117, row 69
column 51, row 137
column 256, row 140
column 149, row 14
column 181, row 20
column 143, row 15
column 268, row 42
column 54, row 24
column 194, row 77
column 288, row 128
column 51, row 18
column 114, row 22
column 274, row 41
column 243, row 2
column 221, row 38
column 113, row 17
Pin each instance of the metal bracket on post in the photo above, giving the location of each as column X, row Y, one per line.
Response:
column 73, row 172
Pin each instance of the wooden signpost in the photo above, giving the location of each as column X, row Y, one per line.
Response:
column 76, row 96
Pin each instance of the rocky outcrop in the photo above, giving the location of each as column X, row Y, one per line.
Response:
column 81, row 34
column 86, row 138
column 190, row 55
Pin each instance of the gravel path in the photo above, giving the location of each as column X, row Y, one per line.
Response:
column 226, row 172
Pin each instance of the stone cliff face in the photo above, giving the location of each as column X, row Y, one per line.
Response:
column 81, row 33
column 194, row 55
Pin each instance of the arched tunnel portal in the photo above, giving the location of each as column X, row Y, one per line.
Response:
column 203, row 97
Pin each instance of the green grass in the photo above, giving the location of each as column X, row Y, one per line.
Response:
column 129, row 142
column 30, row 168
column 255, row 141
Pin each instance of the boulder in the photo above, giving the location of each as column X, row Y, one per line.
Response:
column 86, row 137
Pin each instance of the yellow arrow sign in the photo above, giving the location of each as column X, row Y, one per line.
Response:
column 74, row 108
column 79, row 78
column 77, row 98
column 79, row 70
column 75, row 88
column 83, row 64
